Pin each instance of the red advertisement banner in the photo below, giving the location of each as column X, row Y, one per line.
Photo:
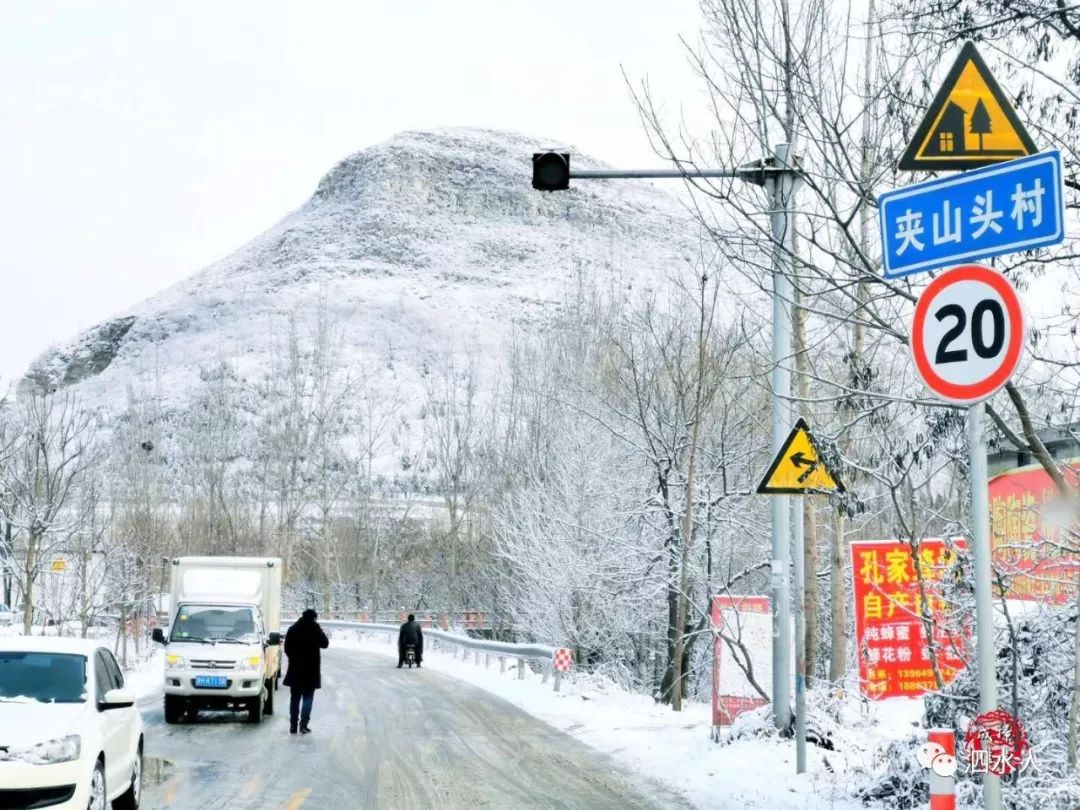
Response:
column 1028, row 525
column 890, row 629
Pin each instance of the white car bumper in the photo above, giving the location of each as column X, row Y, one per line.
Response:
column 239, row 684
column 64, row 786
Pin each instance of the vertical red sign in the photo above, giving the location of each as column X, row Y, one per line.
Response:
column 897, row 609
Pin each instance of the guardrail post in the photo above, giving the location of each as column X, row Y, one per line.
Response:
column 521, row 669
column 476, row 657
column 942, row 788
column 558, row 679
column 502, row 664
column 547, row 673
column 487, row 660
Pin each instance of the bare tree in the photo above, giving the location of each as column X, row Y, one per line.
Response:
column 52, row 453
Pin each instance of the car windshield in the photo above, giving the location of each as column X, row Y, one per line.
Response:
column 217, row 624
column 42, row 676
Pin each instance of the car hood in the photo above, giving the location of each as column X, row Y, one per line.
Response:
column 27, row 722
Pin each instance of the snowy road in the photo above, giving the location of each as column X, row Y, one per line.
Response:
column 385, row 738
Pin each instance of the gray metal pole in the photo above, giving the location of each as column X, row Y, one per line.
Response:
column 984, row 598
column 658, row 174
column 782, row 185
column 800, row 634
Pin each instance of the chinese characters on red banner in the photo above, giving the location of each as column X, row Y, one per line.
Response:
column 894, row 657
column 1027, row 526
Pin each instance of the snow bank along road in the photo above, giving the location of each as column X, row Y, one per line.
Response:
column 384, row 738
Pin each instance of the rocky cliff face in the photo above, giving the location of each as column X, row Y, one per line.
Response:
column 428, row 243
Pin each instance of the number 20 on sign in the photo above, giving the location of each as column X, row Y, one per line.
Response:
column 968, row 333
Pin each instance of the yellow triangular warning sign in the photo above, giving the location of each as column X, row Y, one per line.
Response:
column 970, row 123
column 798, row 468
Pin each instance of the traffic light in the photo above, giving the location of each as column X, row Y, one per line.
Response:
column 551, row 171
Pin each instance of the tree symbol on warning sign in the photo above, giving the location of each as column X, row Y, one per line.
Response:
column 980, row 122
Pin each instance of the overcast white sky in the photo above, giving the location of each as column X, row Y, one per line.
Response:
column 142, row 141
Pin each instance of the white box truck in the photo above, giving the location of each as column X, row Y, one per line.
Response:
column 222, row 646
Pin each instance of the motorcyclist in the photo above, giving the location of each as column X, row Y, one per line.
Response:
column 410, row 635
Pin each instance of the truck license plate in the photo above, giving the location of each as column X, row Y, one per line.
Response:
column 211, row 681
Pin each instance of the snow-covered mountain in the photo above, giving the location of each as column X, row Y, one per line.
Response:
column 429, row 242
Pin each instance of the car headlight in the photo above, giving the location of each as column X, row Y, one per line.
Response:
column 252, row 664
column 62, row 749
column 175, row 661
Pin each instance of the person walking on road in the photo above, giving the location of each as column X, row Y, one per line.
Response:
column 304, row 643
column 410, row 635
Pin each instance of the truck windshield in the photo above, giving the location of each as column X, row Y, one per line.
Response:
column 41, row 676
column 215, row 624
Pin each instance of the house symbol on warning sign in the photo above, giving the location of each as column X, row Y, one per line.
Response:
column 950, row 135
column 970, row 122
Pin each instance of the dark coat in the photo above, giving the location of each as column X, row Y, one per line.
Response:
column 410, row 633
column 303, row 645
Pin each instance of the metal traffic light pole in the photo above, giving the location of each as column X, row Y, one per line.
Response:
column 779, row 174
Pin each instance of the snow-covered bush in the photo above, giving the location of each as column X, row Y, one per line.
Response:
column 1041, row 662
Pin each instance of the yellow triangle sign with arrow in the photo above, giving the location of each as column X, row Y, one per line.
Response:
column 798, row 468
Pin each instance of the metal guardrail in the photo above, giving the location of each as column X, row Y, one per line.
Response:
column 468, row 619
column 502, row 650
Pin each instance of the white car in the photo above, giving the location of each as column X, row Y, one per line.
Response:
column 7, row 616
column 71, row 737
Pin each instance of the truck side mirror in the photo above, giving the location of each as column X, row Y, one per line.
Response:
column 273, row 639
column 158, row 635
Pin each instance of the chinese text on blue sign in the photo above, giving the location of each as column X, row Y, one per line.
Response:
column 1006, row 208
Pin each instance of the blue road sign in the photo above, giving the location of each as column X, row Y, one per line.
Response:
column 1006, row 208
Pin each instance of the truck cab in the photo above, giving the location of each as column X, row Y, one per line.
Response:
column 222, row 647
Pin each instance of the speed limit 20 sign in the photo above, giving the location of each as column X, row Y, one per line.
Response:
column 968, row 333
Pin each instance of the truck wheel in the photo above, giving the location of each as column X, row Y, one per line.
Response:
column 255, row 710
column 172, row 709
column 268, row 709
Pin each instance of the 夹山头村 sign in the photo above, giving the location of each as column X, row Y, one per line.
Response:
column 1006, row 208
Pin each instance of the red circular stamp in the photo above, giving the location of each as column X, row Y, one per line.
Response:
column 995, row 743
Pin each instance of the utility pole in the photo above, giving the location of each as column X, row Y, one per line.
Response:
column 984, row 597
column 782, row 219
column 779, row 173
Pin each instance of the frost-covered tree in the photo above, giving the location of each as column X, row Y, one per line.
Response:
column 51, row 451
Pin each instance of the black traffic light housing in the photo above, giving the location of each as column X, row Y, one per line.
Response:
column 551, row 171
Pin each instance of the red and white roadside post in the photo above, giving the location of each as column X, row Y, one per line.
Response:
column 943, row 788
column 562, row 661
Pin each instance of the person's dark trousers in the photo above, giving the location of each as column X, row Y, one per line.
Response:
column 300, row 707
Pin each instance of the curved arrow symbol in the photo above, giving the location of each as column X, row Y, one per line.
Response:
column 799, row 460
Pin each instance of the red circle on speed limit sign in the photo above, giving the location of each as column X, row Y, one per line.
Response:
column 968, row 333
